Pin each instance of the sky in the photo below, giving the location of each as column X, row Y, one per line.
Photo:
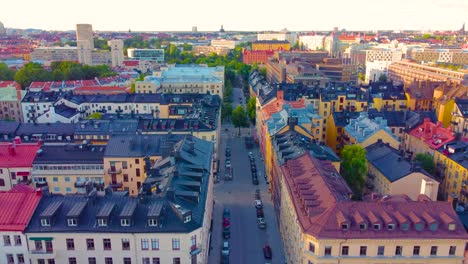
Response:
column 243, row 15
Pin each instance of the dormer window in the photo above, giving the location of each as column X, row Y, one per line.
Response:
column 152, row 222
column 362, row 226
column 187, row 218
column 418, row 227
column 404, row 227
column 102, row 222
column 344, row 226
column 391, row 227
column 434, row 226
column 376, row 226
column 451, row 227
column 72, row 222
column 125, row 222
column 45, row 222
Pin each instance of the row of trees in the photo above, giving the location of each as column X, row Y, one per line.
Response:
column 59, row 71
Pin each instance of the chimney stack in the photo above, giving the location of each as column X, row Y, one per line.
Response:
column 12, row 149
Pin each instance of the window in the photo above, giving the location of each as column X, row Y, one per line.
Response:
column 91, row 260
column 125, row 244
column 362, row 226
column 124, row 165
column 376, row 226
column 363, row 251
column 451, row 227
column 108, row 260
column 2, row 182
column 345, row 250
column 328, row 250
column 67, row 179
column 20, row 258
column 107, row 244
column 187, row 218
column 419, row 227
column 380, row 251
column 144, row 244
column 312, row 247
column 404, row 227
column 146, row 261
column 155, row 244
column 6, row 240
column 40, row 261
column 72, row 222
column 10, row 259
column 49, row 246
column 344, row 226
column 156, row 261
column 102, row 222
column 13, row 175
column 125, row 177
column 416, row 250
column 434, row 251
column 127, row 261
column 391, row 227
column 38, row 245
column 433, row 226
column 175, row 244
column 57, row 189
column 125, row 222
column 137, row 172
column 71, row 260
column 45, row 222
column 398, row 250
column 70, row 244
column 152, row 222
column 137, row 161
column 176, row 261
column 452, row 250
column 55, row 179
column 90, row 244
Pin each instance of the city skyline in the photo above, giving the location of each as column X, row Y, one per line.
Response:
column 209, row 15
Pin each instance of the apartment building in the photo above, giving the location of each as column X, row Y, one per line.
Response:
column 170, row 225
column 117, row 52
column 386, row 96
column 408, row 73
column 338, row 71
column 154, row 55
column 320, row 224
column 69, row 169
column 226, row 43
column 10, row 100
column 388, row 173
column 379, row 54
column 47, row 55
column 444, row 101
column 268, row 36
column 452, row 56
column 208, row 50
column 451, row 166
column 256, row 56
column 459, row 121
column 314, row 42
column 271, row 45
column 16, row 209
column 16, row 160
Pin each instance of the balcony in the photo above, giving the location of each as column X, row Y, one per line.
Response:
column 41, row 184
column 80, row 184
column 24, row 181
column 42, row 253
column 403, row 106
column 455, row 123
column 195, row 250
column 116, row 184
column 114, row 171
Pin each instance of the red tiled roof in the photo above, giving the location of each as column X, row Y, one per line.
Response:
column 434, row 135
column 322, row 205
column 131, row 63
column 100, row 89
column 4, row 84
column 22, row 156
column 17, row 207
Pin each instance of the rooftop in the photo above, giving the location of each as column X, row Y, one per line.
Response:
column 462, row 104
column 71, row 154
column 457, row 151
column 363, row 127
column 136, row 145
column 18, row 154
column 17, row 206
column 434, row 135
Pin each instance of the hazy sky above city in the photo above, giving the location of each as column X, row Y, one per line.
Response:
column 209, row 15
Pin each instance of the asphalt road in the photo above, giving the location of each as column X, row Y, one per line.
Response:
column 247, row 240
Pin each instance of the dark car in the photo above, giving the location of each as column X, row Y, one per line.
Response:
column 260, row 213
column 267, row 252
column 228, row 152
column 226, row 213
column 253, row 168
column 226, row 233
column 226, row 222
column 255, row 181
column 257, row 194
column 224, row 259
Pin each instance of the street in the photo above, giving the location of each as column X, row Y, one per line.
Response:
column 247, row 240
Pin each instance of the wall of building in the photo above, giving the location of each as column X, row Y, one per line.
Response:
column 15, row 249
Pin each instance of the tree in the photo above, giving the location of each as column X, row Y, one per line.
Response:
column 383, row 78
column 95, row 115
column 354, row 168
column 427, row 162
column 32, row 72
column 361, row 76
column 6, row 74
column 226, row 111
column 251, row 108
column 239, row 117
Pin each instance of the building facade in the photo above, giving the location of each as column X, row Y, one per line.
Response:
column 10, row 101
column 117, row 52
column 155, row 55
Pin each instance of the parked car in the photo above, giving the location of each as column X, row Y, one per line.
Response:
column 261, row 223
column 260, row 213
column 258, row 204
column 226, row 214
column 257, row 194
column 255, row 181
column 253, row 168
column 227, row 162
column 267, row 252
column 228, row 152
column 224, row 259
column 226, row 232
column 225, row 250
column 226, row 222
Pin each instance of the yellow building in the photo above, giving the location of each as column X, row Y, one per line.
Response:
column 444, row 100
column 320, row 224
column 271, row 45
column 420, row 95
column 390, row 174
column 67, row 169
column 460, row 117
column 386, row 96
column 452, row 166
column 128, row 157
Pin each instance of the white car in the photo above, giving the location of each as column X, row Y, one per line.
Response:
column 258, row 204
column 225, row 250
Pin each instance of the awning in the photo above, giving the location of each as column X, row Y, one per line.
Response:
column 22, row 173
column 195, row 252
column 41, row 238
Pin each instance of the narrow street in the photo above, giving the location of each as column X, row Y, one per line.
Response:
column 247, row 239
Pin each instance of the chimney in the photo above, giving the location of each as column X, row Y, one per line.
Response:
column 12, row 149
column 17, row 140
column 280, row 95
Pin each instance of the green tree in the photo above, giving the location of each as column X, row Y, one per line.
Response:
column 6, row 74
column 383, row 78
column 226, row 111
column 361, row 76
column 427, row 162
column 354, row 168
column 101, row 44
column 239, row 117
column 251, row 108
column 95, row 115
column 32, row 72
